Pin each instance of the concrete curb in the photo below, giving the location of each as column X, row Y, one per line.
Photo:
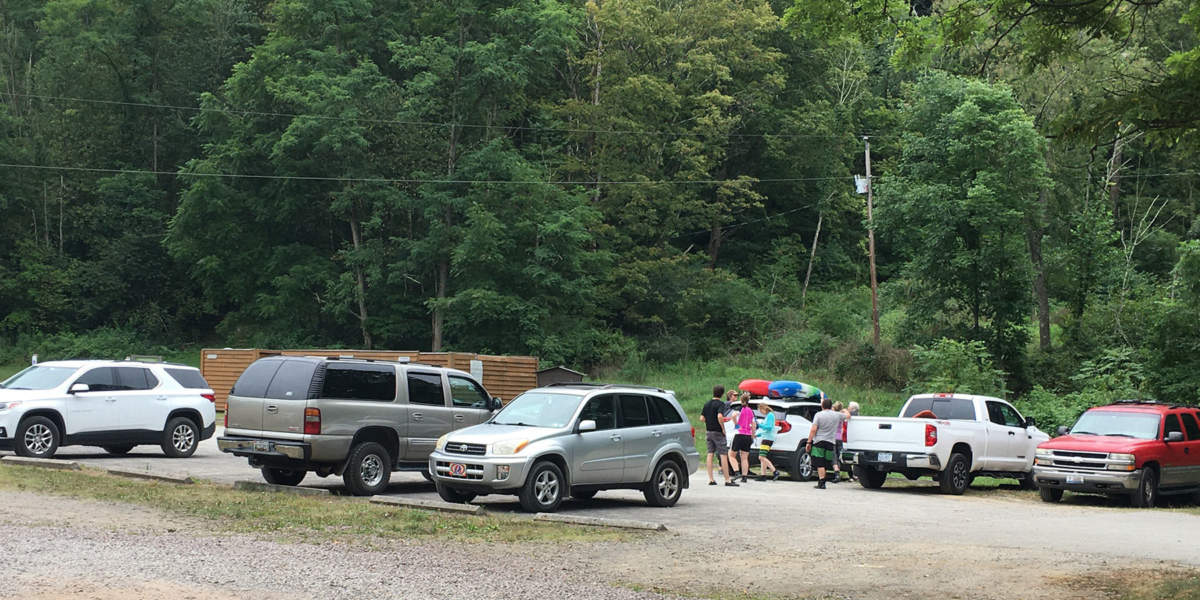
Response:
column 254, row 486
column 151, row 476
column 46, row 463
column 470, row 509
column 600, row 522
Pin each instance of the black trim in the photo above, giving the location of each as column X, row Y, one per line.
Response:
column 208, row 431
column 120, row 436
column 7, row 444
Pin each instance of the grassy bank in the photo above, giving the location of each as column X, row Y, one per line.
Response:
column 297, row 518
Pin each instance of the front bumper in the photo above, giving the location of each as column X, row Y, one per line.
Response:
column 1079, row 480
column 483, row 474
column 891, row 461
column 258, row 447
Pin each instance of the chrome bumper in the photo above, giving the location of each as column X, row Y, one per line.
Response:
column 893, row 460
column 260, row 447
column 1079, row 480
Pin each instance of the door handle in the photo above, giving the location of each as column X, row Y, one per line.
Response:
column 615, row 438
column 417, row 416
column 271, row 408
column 458, row 417
column 1011, row 433
column 161, row 398
column 656, row 433
column 110, row 399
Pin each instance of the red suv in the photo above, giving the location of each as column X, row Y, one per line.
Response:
column 1133, row 448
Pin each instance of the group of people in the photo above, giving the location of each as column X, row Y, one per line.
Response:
column 825, row 436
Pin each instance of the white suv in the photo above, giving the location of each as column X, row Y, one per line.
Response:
column 112, row 404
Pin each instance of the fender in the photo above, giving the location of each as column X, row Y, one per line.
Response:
column 673, row 448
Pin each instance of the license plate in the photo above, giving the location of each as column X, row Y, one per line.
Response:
column 262, row 446
column 1074, row 479
column 884, row 457
column 458, row 470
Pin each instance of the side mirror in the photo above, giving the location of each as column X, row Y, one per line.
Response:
column 1175, row 436
column 1063, row 430
column 78, row 387
column 587, row 425
column 496, row 403
column 1030, row 422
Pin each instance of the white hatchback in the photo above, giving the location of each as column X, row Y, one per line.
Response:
column 112, row 404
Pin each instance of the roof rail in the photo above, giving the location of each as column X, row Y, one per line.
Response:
column 157, row 358
column 1137, row 401
column 601, row 385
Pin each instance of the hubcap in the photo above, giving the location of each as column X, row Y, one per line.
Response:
column 183, row 437
column 38, row 438
column 668, row 483
column 545, row 487
column 1148, row 491
column 371, row 470
column 960, row 475
column 806, row 466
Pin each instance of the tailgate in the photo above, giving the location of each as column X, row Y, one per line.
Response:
column 244, row 414
column 887, row 433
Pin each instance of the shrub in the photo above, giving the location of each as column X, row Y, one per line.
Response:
column 952, row 366
column 858, row 362
column 103, row 343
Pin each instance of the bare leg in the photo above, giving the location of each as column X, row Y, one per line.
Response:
column 745, row 463
column 767, row 465
column 725, row 467
column 709, row 466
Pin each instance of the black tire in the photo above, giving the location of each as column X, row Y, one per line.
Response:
column 1049, row 494
column 283, row 476
column 870, row 478
column 180, row 438
column 544, row 488
column 665, row 485
column 1027, row 482
column 802, row 469
column 956, row 476
column 118, row 450
column 1146, row 495
column 583, row 494
column 452, row 495
column 425, row 473
column 368, row 470
column 37, row 437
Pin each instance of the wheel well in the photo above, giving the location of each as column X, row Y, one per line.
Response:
column 560, row 462
column 384, row 436
column 1151, row 465
column 49, row 414
column 188, row 413
column 678, row 459
column 964, row 450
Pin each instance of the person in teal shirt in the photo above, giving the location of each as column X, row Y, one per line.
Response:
column 766, row 437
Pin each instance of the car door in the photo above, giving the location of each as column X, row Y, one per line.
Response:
column 1191, row 452
column 138, row 404
column 429, row 413
column 287, row 397
column 1006, row 438
column 469, row 401
column 92, row 413
column 1175, row 457
column 600, row 454
column 244, row 405
column 640, row 436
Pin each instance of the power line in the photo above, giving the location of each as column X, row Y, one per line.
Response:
column 420, row 123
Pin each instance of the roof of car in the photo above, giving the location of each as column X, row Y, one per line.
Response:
column 77, row 363
column 587, row 387
column 1141, row 406
column 353, row 360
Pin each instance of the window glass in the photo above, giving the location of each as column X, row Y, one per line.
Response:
column 1003, row 414
column 38, row 378
column 661, row 411
column 602, row 410
column 1171, row 426
column 425, row 388
column 538, row 409
column 292, row 380
column 189, row 378
column 633, row 411
column 255, row 379
column 1191, row 425
column 99, row 380
column 464, row 392
column 1117, row 423
column 135, row 378
column 360, row 382
column 954, row 409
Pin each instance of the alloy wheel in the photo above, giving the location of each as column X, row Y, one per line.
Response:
column 371, row 470
column 183, row 437
column 38, row 438
column 668, row 483
column 545, row 487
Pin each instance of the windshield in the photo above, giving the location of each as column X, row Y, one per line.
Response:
column 539, row 409
column 38, row 378
column 1118, row 424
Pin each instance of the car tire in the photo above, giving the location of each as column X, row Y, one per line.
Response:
column 118, row 450
column 802, row 469
column 1050, row 494
column 427, row 475
column 543, row 489
column 180, row 438
column 665, row 485
column 870, row 478
column 452, row 495
column 1146, row 494
column 956, row 476
column 583, row 494
column 1028, row 483
column 37, row 437
column 278, row 476
column 368, row 470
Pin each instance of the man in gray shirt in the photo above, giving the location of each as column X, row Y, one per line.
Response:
column 822, row 438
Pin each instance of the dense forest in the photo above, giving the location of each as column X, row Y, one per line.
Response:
column 613, row 180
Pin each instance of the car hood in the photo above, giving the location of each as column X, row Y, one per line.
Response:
column 490, row 433
column 1096, row 443
column 10, row 395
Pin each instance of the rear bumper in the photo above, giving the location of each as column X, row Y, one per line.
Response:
column 208, row 431
column 258, row 447
column 1078, row 480
column 891, row 461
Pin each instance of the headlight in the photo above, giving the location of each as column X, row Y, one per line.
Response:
column 1040, row 453
column 441, row 443
column 512, row 447
column 1126, row 458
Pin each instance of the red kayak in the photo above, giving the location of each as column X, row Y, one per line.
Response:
column 756, row 387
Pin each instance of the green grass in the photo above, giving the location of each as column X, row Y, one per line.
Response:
column 1137, row 585
column 7, row 371
column 297, row 518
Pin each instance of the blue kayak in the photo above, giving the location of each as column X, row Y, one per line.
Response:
column 792, row 389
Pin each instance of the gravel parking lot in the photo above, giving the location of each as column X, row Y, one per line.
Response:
column 841, row 542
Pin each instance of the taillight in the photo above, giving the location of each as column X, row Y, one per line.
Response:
column 210, row 397
column 312, row 421
column 930, row 435
column 693, row 433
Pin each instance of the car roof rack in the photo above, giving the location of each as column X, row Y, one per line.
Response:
column 604, row 386
column 1138, row 401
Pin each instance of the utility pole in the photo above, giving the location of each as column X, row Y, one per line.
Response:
column 871, row 250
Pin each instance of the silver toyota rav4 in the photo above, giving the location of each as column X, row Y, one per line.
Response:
column 571, row 440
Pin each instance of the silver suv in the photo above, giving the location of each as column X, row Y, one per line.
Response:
column 571, row 439
column 360, row 419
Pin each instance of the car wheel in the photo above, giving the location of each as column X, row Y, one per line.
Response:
column 543, row 489
column 665, row 485
column 1049, row 494
column 453, row 495
column 870, row 478
column 426, row 474
column 1146, row 495
column 283, row 476
column 803, row 469
column 37, row 437
column 1027, row 482
column 368, row 470
column 180, row 438
column 118, row 450
column 957, row 475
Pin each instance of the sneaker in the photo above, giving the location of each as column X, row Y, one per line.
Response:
column 744, row 479
column 730, row 484
column 775, row 475
column 712, row 483
column 820, row 486
column 761, row 478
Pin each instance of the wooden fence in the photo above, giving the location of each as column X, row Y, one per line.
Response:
column 504, row 376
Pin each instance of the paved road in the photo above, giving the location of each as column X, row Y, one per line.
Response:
column 844, row 512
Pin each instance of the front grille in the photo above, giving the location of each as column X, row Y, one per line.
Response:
column 1080, row 460
column 468, row 472
column 464, row 448
column 1091, row 455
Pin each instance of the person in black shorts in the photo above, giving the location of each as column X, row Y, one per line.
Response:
column 822, row 439
column 714, row 432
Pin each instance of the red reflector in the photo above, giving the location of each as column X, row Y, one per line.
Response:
column 226, row 417
column 312, row 421
column 210, row 397
column 930, row 435
column 693, row 433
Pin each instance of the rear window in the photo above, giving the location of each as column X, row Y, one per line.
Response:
column 661, row 411
column 292, row 380
column 189, row 378
column 360, row 382
column 953, row 409
column 255, row 379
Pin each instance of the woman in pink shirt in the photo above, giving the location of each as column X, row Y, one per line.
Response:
column 745, row 434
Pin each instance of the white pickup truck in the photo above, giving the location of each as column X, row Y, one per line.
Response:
column 951, row 437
